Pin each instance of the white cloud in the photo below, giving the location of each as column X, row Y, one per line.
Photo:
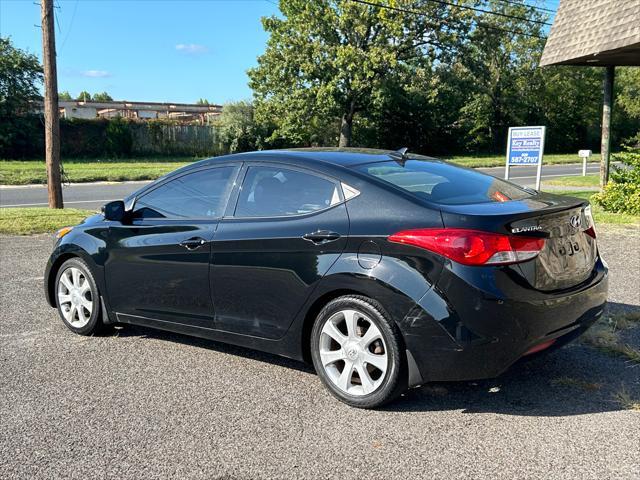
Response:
column 95, row 73
column 191, row 48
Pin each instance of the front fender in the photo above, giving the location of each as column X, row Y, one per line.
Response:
column 87, row 244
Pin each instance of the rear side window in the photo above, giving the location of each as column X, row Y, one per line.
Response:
column 276, row 192
column 196, row 195
column 444, row 183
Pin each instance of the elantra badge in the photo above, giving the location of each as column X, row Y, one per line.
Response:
column 528, row 228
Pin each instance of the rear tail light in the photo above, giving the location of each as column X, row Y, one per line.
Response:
column 591, row 229
column 472, row 247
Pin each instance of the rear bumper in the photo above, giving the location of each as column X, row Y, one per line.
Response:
column 459, row 331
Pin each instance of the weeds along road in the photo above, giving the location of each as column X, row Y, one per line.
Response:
column 146, row 404
column 93, row 196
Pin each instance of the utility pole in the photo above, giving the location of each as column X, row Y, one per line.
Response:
column 605, row 143
column 51, row 112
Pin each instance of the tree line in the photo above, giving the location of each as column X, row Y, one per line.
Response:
column 437, row 77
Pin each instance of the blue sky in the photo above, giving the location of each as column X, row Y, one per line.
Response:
column 151, row 50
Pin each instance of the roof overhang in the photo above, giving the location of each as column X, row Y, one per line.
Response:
column 594, row 33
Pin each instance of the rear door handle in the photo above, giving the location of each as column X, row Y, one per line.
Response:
column 321, row 236
column 193, row 243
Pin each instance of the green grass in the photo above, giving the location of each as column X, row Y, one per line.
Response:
column 604, row 335
column 499, row 160
column 599, row 215
column 28, row 221
column 14, row 172
column 574, row 181
column 624, row 398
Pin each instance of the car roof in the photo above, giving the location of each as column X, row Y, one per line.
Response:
column 345, row 157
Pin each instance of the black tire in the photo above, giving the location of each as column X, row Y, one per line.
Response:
column 94, row 324
column 394, row 382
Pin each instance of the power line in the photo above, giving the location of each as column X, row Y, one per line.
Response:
column 522, row 4
column 480, row 10
column 479, row 24
column 73, row 16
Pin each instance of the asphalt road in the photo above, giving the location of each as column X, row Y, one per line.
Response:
column 93, row 196
column 146, row 404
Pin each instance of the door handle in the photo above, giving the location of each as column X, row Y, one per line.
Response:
column 321, row 236
column 193, row 243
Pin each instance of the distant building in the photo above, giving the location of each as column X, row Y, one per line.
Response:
column 183, row 112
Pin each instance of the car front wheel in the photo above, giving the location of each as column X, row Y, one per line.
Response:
column 77, row 297
column 356, row 351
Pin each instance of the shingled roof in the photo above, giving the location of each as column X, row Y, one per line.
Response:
column 594, row 32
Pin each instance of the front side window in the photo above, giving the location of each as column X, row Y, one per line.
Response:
column 200, row 194
column 275, row 192
column 444, row 183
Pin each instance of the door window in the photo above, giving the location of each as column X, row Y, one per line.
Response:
column 275, row 192
column 195, row 195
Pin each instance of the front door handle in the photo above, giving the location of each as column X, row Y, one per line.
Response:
column 193, row 243
column 321, row 236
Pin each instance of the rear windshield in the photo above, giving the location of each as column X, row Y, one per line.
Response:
column 444, row 183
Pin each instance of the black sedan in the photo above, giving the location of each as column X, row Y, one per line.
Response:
column 385, row 269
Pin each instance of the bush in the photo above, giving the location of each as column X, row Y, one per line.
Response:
column 622, row 193
column 119, row 140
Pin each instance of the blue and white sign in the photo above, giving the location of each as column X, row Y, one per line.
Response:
column 525, row 146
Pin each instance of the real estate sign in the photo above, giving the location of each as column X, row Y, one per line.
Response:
column 525, row 146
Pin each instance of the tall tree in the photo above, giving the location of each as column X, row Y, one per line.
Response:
column 500, row 69
column 84, row 96
column 102, row 97
column 65, row 96
column 328, row 59
column 20, row 79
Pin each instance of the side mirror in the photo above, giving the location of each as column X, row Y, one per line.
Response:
column 114, row 211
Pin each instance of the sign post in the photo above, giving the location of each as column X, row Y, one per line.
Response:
column 584, row 155
column 525, row 146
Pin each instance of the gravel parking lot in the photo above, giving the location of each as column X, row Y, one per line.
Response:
column 148, row 404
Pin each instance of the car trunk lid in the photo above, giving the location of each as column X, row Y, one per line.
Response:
column 569, row 253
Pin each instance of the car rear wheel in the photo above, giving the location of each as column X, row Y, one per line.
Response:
column 77, row 297
column 356, row 352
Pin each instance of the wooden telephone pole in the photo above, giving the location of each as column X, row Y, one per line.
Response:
column 51, row 111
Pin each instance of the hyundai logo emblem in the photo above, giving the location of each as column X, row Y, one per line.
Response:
column 575, row 221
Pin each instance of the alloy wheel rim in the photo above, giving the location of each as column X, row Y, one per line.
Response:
column 353, row 353
column 75, row 297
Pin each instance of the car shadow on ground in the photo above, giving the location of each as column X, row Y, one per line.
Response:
column 575, row 380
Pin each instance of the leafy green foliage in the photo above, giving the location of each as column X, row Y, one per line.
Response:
column 237, row 130
column 449, row 81
column 119, row 140
column 20, row 76
column 102, row 97
column 84, row 96
column 65, row 96
column 328, row 60
column 622, row 193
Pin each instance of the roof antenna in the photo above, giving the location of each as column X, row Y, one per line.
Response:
column 400, row 155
